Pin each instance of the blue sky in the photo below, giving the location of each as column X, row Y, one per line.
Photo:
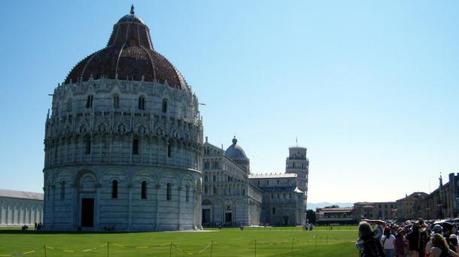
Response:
column 370, row 88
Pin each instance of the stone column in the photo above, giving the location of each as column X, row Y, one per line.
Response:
column 157, row 187
column 53, row 191
column 198, row 204
column 129, row 206
column 74, row 207
column 7, row 209
column 97, row 207
column 179, row 205
column 1, row 213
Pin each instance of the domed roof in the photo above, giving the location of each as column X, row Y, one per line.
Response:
column 235, row 152
column 129, row 55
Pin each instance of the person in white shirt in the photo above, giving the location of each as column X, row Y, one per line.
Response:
column 388, row 243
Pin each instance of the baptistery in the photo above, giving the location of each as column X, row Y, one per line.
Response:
column 123, row 141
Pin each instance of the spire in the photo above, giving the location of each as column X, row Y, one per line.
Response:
column 132, row 9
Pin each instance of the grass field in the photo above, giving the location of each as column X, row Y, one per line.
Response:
column 273, row 242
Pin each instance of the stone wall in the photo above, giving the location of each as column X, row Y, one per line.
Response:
column 18, row 212
column 227, row 191
column 66, row 187
column 107, row 130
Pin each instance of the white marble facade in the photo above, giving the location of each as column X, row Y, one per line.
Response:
column 232, row 196
column 228, row 198
column 123, row 142
column 87, row 149
column 19, row 208
column 285, row 194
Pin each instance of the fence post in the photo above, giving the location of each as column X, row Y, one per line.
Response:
column 44, row 247
column 170, row 250
column 255, row 248
column 108, row 249
column 211, row 247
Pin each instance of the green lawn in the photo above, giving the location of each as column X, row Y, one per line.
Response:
column 282, row 242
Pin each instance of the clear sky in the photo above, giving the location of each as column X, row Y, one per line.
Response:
column 371, row 88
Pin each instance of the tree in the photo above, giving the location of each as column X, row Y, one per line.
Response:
column 311, row 216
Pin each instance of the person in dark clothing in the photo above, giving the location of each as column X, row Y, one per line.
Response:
column 367, row 244
column 417, row 240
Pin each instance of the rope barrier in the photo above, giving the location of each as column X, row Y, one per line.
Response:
column 191, row 253
column 108, row 248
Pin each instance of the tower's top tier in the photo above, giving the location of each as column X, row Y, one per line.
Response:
column 297, row 153
column 129, row 55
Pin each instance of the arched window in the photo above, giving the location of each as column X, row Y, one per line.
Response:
column 169, row 149
column 116, row 101
column 187, row 193
column 168, row 191
column 63, row 190
column 115, row 189
column 89, row 101
column 141, row 103
column 87, row 145
column 143, row 191
column 135, row 146
column 164, row 106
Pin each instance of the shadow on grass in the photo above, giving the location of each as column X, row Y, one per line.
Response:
column 32, row 232
column 341, row 249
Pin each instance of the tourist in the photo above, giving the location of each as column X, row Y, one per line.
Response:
column 379, row 229
column 453, row 245
column 429, row 245
column 388, row 242
column 368, row 244
column 440, row 247
column 417, row 240
column 400, row 244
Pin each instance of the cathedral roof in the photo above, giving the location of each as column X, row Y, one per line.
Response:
column 20, row 194
column 235, row 152
column 273, row 175
column 129, row 55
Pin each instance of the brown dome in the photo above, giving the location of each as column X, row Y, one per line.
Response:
column 129, row 55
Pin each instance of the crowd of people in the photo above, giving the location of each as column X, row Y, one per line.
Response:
column 418, row 238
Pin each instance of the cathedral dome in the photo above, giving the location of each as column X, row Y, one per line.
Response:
column 235, row 152
column 129, row 55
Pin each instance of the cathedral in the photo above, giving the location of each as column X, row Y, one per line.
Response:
column 124, row 151
column 233, row 196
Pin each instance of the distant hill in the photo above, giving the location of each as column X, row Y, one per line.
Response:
column 313, row 206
